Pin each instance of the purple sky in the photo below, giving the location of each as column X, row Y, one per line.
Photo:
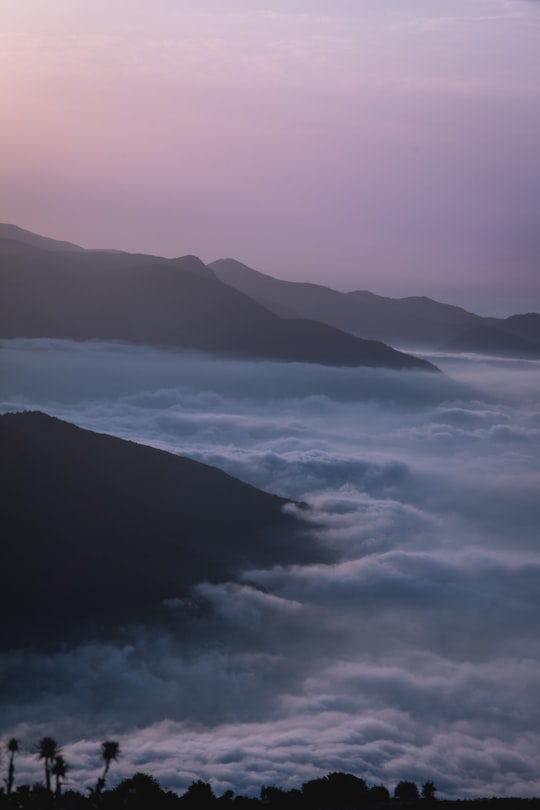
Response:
column 364, row 144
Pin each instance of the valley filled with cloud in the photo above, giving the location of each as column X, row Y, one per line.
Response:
column 413, row 655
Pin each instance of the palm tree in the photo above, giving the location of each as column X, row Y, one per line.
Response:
column 110, row 750
column 59, row 769
column 48, row 751
column 12, row 746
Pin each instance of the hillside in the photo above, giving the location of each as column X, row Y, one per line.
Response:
column 171, row 302
column 494, row 341
column 415, row 321
column 98, row 531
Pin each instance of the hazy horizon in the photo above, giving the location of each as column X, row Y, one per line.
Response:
column 361, row 145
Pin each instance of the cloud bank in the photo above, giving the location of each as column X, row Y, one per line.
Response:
column 414, row 656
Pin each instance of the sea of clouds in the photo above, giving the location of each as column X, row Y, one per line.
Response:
column 415, row 656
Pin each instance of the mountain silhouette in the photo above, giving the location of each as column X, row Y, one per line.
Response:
column 111, row 295
column 526, row 326
column 491, row 340
column 29, row 238
column 98, row 531
column 415, row 321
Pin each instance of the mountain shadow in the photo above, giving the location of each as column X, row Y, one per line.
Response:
column 99, row 531
column 493, row 341
column 109, row 295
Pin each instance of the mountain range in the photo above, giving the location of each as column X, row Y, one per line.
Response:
column 99, row 532
column 49, row 289
column 417, row 321
column 55, row 288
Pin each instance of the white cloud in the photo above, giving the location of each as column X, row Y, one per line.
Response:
column 414, row 656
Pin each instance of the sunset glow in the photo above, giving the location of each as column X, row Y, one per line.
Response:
column 382, row 146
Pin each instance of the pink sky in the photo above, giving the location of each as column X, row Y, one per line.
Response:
column 365, row 144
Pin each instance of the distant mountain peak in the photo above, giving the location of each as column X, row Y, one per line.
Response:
column 8, row 231
column 194, row 264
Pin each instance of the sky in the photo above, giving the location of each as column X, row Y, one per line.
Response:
column 414, row 656
column 364, row 144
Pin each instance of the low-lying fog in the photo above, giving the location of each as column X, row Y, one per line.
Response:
column 416, row 657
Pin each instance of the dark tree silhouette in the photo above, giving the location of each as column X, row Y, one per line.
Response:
column 198, row 794
column 138, row 791
column 48, row 750
column 378, row 794
column 226, row 797
column 275, row 797
column 12, row 747
column 428, row 790
column 110, row 751
column 59, row 770
column 406, row 792
column 337, row 790
column 35, row 797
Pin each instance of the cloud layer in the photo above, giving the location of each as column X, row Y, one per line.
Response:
column 415, row 656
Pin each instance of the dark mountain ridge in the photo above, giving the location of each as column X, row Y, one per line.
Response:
column 171, row 302
column 8, row 231
column 484, row 339
column 98, row 531
column 525, row 325
column 415, row 321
